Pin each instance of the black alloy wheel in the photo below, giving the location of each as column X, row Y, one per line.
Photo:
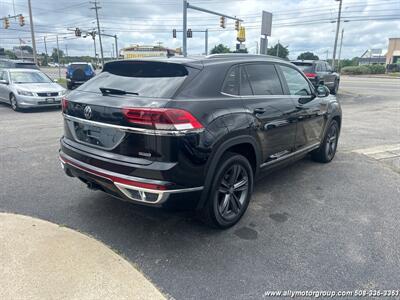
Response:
column 327, row 150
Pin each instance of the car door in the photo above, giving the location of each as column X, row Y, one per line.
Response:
column 310, row 110
column 4, row 88
column 274, row 112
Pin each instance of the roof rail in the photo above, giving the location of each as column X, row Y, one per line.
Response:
column 233, row 55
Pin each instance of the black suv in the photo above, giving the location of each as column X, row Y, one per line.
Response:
column 194, row 131
column 78, row 73
column 320, row 72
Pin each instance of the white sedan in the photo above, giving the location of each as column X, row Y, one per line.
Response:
column 25, row 88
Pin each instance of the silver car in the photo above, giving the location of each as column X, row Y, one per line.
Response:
column 25, row 88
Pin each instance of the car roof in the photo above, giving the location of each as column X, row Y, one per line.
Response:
column 229, row 58
column 310, row 61
column 22, row 69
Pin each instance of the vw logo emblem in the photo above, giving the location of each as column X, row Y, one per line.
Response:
column 48, row 94
column 87, row 112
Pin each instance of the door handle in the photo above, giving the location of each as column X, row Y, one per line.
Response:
column 259, row 110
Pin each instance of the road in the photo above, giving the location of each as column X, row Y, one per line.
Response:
column 309, row 226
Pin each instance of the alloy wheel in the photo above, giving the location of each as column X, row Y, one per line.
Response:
column 232, row 192
column 331, row 141
column 13, row 101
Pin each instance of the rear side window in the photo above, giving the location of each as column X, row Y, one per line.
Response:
column 264, row 79
column 144, row 78
column 231, row 83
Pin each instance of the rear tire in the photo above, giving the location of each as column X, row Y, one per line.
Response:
column 14, row 103
column 69, row 86
column 327, row 150
column 230, row 192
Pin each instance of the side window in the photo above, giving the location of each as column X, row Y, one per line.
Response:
column 297, row 84
column 328, row 67
column 264, row 79
column 318, row 67
column 231, row 83
column 245, row 88
column 323, row 67
column 2, row 76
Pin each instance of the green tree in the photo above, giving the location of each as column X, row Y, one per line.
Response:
column 220, row 49
column 279, row 50
column 10, row 54
column 308, row 56
column 54, row 55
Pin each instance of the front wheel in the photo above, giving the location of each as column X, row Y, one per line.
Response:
column 230, row 192
column 14, row 103
column 327, row 150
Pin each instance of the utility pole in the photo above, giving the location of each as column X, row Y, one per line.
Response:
column 32, row 32
column 277, row 49
column 337, row 33
column 45, row 45
column 340, row 49
column 58, row 58
column 327, row 54
column 96, row 8
column 116, row 46
column 206, row 41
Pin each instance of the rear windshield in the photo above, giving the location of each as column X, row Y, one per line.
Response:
column 26, row 66
column 146, row 79
column 79, row 66
column 305, row 67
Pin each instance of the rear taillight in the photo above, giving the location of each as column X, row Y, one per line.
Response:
column 64, row 104
column 310, row 75
column 162, row 118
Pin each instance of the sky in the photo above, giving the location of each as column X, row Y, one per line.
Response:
column 302, row 25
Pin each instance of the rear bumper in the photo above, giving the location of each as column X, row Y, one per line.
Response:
column 138, row 190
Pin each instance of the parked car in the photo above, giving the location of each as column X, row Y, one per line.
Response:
column 184, row 131
column 320, row 72
column 78, row 73
column 26, row 88
column 18, row 64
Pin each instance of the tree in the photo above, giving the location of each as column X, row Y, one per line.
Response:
column 54, row 55
column 10, row 54
column 27, row 48
column 279, row 50
column 308, row 56
column 220, row 49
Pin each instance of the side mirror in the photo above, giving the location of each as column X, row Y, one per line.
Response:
column 3, row 81
column 322, row 91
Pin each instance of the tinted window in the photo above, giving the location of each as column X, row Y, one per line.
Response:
column 297, row 84
column 264, row 79
column 83, row 67
column 148, row 79
column 305, row 67
column 245, row 88
column 322, row 67
column 26, row 66
column 231, row 83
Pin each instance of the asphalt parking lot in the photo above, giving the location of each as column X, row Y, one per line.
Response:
column 309, row 226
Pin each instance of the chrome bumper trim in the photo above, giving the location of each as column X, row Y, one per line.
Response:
column 134, row 129
column 162, row 195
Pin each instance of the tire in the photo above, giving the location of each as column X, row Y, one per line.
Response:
column 335, row 87
column 69, row 86
column 14, row 103
column 327, row 150
column 225, row 205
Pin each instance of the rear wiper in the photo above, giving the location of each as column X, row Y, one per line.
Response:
column 108, row 91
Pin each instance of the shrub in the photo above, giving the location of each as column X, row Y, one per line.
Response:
column 364, row 70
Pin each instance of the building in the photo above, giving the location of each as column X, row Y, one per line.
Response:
column 139, row 51
column 393, row 53
column 372, row 57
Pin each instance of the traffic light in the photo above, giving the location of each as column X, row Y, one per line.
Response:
column 222, row 22
column 241, row 35
column 6, row 23
column 174, row 33
column 78, row 32
column 21, row 20
column 189, row 33
column 237, row 25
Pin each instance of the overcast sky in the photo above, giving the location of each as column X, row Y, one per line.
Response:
column 303, row 25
